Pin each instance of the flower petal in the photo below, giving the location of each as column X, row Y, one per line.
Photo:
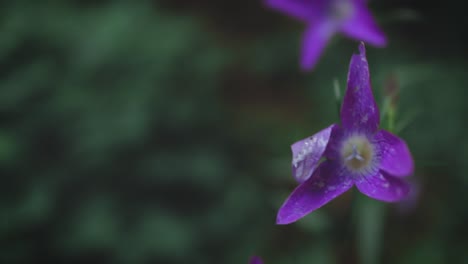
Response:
column 362, row 26
column 307, row 153
column 324, row 185
column 383, row 187
column 396, row 158
column 314, row 40
column 334, row 143
column 296, row 9
column 359, row 110
column 411, row 201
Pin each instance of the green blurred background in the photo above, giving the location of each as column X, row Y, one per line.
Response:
column 159, row 132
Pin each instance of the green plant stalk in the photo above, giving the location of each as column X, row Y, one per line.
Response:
column 370, row 225
column 337, row 92
column 370, row 214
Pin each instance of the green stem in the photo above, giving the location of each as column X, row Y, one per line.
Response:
column 337, row 91
column 391, row 119
column 370, row 215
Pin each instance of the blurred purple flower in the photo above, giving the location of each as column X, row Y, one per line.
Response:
column 255, row 260
column 324, row 18
column 410, row 203
column 354, row 152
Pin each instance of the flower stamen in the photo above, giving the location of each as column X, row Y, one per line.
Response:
column 357, row 153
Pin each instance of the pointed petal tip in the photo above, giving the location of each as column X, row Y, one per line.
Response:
column 308, row 60
column 362, row 49
column 382, row 42
column 280, row 221
column 379, row 40
column 284, row 219
column 306, row 66
column 323, row 186
column 359, row 109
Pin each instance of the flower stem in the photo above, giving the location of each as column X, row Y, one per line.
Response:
column 371, row 216
column 337, row 91
column 391, row 120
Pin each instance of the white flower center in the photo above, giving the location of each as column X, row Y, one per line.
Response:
column 357, row 153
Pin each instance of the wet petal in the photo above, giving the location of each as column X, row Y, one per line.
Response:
column 383, row 187
column 334, row 143
column 307, row 153
column 359, row 111
column 396, row 158
column 297, row 9
column 314, row 40
column 362, row 26
column 324, row 185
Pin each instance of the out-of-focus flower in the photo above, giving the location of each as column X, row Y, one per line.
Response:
column 354, row 152
column 255, row 260
column 410, row 203
column 324, row 18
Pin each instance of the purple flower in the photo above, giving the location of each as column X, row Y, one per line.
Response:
column 255, row 260
column 354, row 152
column 324, row 18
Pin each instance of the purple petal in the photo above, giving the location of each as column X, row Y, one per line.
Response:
column 410, row 203
column 307, row 153
column 362, row 26
column 296, row 9
column 314, row 40
column 383, row 187
column 324, row 185
column 255, row 260
column 359, row 110
column 396, row 158
column 334, row 143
